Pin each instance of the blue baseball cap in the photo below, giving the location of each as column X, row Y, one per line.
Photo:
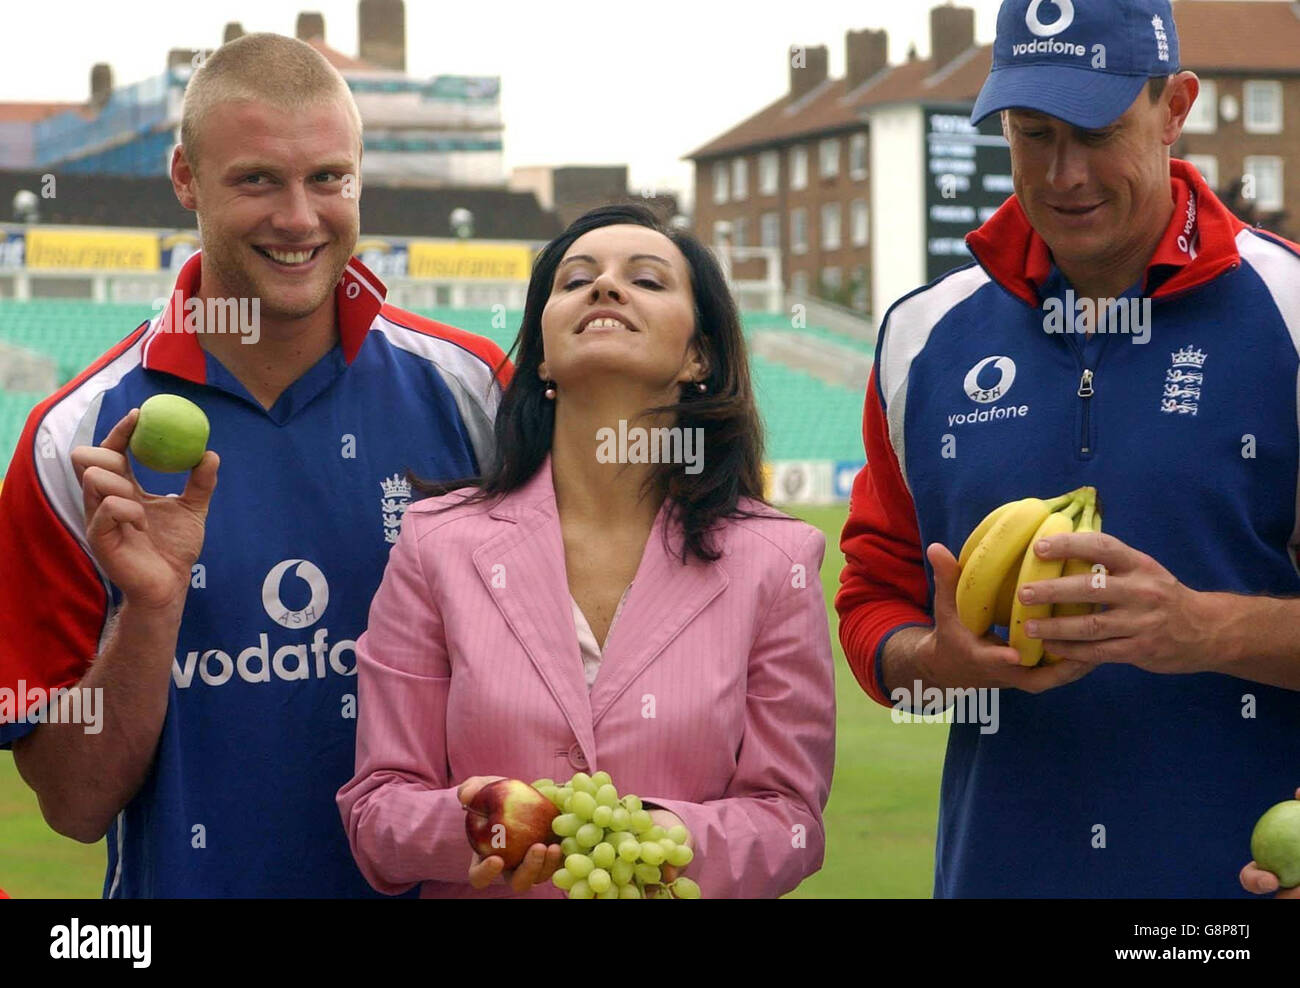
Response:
column 1081, row 61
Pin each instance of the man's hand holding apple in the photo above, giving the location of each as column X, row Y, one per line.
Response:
column 145, row 543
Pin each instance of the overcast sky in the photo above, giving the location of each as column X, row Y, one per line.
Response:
column 582, row 81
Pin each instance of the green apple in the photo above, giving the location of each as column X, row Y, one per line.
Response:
column 170, row 435
column 1275, row 842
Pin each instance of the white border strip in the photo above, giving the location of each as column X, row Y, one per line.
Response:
column 470, row 379
column 905, row 336
column 1279, row 269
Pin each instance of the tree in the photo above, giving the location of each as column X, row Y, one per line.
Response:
column 1239, row 196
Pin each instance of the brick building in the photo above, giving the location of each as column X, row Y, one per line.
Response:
column 797, row 175
column 1244, row 132
column 571, row 190
column 823, row 171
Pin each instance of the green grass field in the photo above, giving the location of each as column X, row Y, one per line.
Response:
column 880, row 821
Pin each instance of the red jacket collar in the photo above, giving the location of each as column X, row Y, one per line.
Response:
column 358, row 297
column 1198, row 246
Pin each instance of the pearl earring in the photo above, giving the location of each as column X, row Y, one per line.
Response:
column 701, row 387
column 550, row 390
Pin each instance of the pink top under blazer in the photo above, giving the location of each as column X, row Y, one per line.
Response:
column 715, row 697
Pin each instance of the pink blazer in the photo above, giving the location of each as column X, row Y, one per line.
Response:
column 715, row 697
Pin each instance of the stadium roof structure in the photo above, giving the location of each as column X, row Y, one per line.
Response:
column 1215, row 36
column 346, row 63
column 32, row 112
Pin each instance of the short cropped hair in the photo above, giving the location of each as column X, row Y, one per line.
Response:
column 267, row 68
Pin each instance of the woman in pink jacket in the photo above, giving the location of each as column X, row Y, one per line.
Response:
column 581, row 608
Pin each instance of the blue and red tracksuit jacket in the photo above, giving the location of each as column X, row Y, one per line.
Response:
column 1123, row 783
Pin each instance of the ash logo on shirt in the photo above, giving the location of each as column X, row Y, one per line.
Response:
column 306, row 616
column 260, row 662
column 396, row 499
column 975, row 391
column 985, row 384
column 1183, row 381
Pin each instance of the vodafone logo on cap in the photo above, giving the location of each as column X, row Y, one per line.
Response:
column 1041, row 30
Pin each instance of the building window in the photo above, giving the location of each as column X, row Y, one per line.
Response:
column 771, row 229
column 739, row 232
column 721, row 233
column 1263, row 107
column 739, row 179
column 831, row 226
column 799, row 230
column 858, row 157
column 769, row 173
column 1263, row 177
column 1208, row 166
column 719, row 182
column 858, row 287
column 858, row 220
column 1204, row 118
column 831, row 284
column 798, row 167
column 799, row 283
column 828, row 163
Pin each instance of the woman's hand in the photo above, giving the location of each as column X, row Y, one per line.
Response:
column 541, row 862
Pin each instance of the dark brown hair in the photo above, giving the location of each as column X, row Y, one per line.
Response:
column 725, row 411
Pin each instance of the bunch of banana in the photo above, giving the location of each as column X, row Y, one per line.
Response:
column 998, row 558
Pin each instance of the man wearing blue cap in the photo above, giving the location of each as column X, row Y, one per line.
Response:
column 1119, row 328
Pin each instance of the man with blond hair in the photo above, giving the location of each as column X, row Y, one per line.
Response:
column 218, row 622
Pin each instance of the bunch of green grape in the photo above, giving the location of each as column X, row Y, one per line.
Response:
column 612, row 849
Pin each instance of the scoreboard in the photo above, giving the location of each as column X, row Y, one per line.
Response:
column 968, row 176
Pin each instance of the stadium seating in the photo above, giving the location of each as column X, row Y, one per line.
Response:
column 781, row 321
column 805, row 418
column 14, row 406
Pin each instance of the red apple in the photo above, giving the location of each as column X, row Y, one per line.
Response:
column 506, row 818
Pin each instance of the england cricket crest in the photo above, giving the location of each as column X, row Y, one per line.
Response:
column 1183, row 381
column 393, row 505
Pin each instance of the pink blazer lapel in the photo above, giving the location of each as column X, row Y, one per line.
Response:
column 666, row 596
column 523, row 569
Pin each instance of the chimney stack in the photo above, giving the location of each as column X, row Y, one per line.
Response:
column 808, row 67
column 952, row 31
column 310, row 25
column 381, row 33
column 866, row 53
column 233, row 30
column 101, row 84
column 186, row 57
